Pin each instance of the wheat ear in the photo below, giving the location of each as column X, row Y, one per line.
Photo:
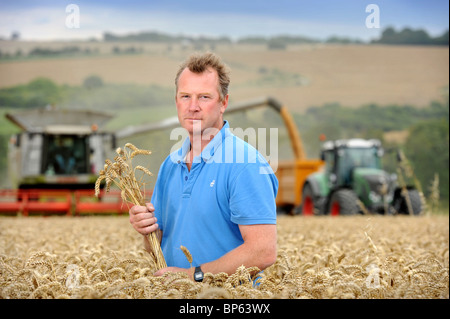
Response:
column 187, row 253
column 122, row 174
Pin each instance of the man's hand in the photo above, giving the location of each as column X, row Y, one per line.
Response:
column 143, row 219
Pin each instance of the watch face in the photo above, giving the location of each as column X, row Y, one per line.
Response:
column 198, row 274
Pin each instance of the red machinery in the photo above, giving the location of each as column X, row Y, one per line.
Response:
column 61, row 202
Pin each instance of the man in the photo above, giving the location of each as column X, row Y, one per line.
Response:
column 222, row 210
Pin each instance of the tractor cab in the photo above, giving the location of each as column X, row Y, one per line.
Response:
column 346, row 158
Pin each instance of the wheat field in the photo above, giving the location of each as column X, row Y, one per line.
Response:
column 360, row 257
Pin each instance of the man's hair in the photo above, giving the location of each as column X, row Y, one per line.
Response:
column 200, row 62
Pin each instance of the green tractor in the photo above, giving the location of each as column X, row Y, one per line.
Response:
column 353, row 182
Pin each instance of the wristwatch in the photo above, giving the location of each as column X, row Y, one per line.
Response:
column 198, row 274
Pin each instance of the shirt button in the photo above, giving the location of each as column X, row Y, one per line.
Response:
column 185, row 178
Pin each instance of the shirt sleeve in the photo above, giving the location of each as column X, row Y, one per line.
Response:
column 252, row 195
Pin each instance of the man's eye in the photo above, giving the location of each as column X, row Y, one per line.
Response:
column 204, row 97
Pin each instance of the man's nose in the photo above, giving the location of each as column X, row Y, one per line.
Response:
column 194, row 105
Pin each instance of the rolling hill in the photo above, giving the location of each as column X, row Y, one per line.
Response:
column 300, row 76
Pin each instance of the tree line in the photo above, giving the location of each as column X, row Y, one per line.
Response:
column 389, row 36
column 406, row 36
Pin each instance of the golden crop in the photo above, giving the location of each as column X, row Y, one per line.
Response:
column 123, row 174
column 319, row 257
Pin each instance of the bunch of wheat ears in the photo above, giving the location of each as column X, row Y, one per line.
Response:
column 124, row 176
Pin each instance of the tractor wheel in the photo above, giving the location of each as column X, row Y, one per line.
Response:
column 401, row 207
column 310, row 205
column 286, row 209
column 343, row 202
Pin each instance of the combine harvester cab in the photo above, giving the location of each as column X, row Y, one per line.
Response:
column 58, row 149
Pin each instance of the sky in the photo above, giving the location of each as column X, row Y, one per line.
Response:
column 318, row 19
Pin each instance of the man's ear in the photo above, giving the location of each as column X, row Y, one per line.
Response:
column 224, row 104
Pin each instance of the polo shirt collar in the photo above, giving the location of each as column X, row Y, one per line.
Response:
column 209, row 150
column 216, row 142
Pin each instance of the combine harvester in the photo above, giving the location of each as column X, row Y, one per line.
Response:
column 54, row 162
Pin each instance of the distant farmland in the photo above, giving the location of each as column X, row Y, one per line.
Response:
column 300, row 77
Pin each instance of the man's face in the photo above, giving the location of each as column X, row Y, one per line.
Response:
column 198, row 100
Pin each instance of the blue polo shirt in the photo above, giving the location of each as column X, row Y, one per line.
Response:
column 229, row 184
